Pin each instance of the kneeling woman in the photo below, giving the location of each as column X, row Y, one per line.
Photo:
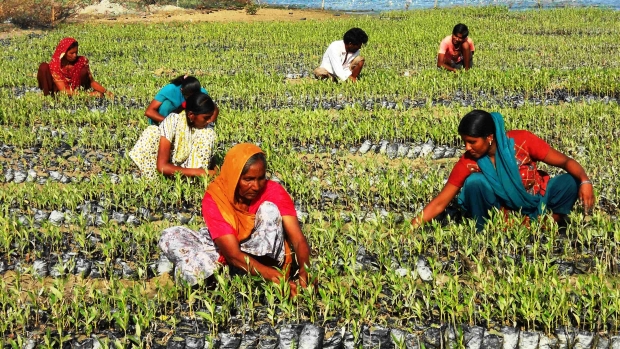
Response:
column 251, row 225
column 499, row 171
column 181, row 143
column 67, row 72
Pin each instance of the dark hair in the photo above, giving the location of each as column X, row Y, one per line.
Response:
column 200, row 103
column 252, row 160
column 74, row 44
column 460, row 29
column 477, row 123
column 189, row 84
column 355, row 36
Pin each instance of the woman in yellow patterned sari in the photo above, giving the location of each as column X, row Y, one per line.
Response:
column 181, row 143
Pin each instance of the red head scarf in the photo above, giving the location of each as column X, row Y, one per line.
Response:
column 70, row 77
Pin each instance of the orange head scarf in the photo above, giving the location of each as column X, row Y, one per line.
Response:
column 224, row 187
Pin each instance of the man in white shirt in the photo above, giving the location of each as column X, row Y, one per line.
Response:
column 342, row 59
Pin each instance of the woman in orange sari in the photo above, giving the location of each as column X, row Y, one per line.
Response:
column 251, row 225
column 67, row 72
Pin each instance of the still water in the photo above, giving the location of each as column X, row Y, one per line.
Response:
column 387, row 5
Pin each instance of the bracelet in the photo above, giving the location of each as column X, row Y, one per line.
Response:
column 587, row 181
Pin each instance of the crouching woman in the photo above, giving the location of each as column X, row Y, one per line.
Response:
column 251, row 225
column 499, row 171
column 67, row 72
column 182, row 143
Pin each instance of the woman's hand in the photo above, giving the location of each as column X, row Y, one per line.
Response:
column 272, row 274
column 586, row 196
column 303, row 278
column 437, row 205
column 98, row 90
column 417, row 222
column 228, row 246
column 293, row 287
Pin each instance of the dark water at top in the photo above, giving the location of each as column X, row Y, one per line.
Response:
column 390, row 5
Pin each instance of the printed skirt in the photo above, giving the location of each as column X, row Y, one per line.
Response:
column 196, row 257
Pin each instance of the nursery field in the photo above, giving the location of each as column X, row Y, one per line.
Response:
column 79, row 262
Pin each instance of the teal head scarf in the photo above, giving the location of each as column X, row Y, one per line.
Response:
column 505, row 178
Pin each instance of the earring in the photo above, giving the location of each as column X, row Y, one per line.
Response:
column 491, row 142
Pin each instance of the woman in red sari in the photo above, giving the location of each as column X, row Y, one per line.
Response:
column 67, row 72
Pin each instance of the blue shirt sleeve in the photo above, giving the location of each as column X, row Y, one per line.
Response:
column 203, row 90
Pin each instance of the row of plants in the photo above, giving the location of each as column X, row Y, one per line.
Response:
column 485, row 286
column 330, row 102
column 361, row 183
column 107, row 250
column 513, row 55
column 351, row 126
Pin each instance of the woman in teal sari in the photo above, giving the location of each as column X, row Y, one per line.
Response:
column 499, row 171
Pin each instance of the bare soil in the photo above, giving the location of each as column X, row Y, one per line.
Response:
column 181, row 15
column 8, row 31
column 164, row 14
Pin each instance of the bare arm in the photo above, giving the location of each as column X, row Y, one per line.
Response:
column 165, row 167
column 586, row 191
column 229, row 248
column 437, row 205
column 298, row 241
column 466, row 55
column 152, row 111
column 62, row 88
column 441, row 63
column 355, row 72
column 100, row 89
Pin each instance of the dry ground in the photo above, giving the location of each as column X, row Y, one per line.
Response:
column 181, row 15
column 175, row 14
